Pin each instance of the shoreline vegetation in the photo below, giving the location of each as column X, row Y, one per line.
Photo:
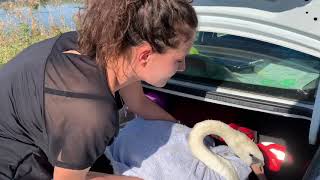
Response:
column 26, row 29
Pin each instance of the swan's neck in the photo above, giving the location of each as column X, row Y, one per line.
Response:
column 199, row 150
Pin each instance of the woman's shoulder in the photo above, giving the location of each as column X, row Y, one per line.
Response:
column 73, row 72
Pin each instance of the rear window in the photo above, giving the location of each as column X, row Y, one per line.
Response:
column 249, row 65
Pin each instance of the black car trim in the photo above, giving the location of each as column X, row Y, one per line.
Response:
column 237, row 101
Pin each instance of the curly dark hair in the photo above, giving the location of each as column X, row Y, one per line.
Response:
column 108, row 28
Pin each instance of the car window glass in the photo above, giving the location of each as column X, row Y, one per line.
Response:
column 251, row 65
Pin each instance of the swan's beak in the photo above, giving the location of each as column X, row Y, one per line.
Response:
column 256, row 160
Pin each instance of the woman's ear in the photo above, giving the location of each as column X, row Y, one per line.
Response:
column 143, row 53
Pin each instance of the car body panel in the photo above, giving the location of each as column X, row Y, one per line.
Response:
column 284, row 23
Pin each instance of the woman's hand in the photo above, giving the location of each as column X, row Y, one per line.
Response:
column 258, row 171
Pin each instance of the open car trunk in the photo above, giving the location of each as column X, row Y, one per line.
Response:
column 292, row 133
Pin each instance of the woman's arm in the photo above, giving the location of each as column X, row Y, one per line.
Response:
column 62, row 173
column 101, row 176
column 138, row 103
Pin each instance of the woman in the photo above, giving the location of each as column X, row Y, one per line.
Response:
column 57, row 107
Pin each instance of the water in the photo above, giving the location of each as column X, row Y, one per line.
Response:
column 45, row 15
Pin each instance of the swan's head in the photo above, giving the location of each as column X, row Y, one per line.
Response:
column 244, row 148
column 240, row 144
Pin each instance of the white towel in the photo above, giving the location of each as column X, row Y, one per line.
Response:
column 158, row 150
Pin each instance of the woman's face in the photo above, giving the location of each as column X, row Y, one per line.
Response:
column 159, row 68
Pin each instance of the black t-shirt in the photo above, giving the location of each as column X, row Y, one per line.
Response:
column 57, row 102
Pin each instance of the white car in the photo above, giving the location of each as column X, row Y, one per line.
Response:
column 259, row 61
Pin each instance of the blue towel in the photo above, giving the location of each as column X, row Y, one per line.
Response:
column 158, row 150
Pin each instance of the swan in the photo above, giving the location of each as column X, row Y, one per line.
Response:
column 237, row 141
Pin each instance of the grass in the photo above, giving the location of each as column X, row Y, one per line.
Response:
column 16, row 37
column 14, row 41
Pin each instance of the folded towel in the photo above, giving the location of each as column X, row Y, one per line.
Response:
column 159, row 150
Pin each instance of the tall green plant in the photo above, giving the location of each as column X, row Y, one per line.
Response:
column 15, row 37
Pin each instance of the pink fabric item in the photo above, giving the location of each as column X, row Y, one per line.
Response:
column 275, row 155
